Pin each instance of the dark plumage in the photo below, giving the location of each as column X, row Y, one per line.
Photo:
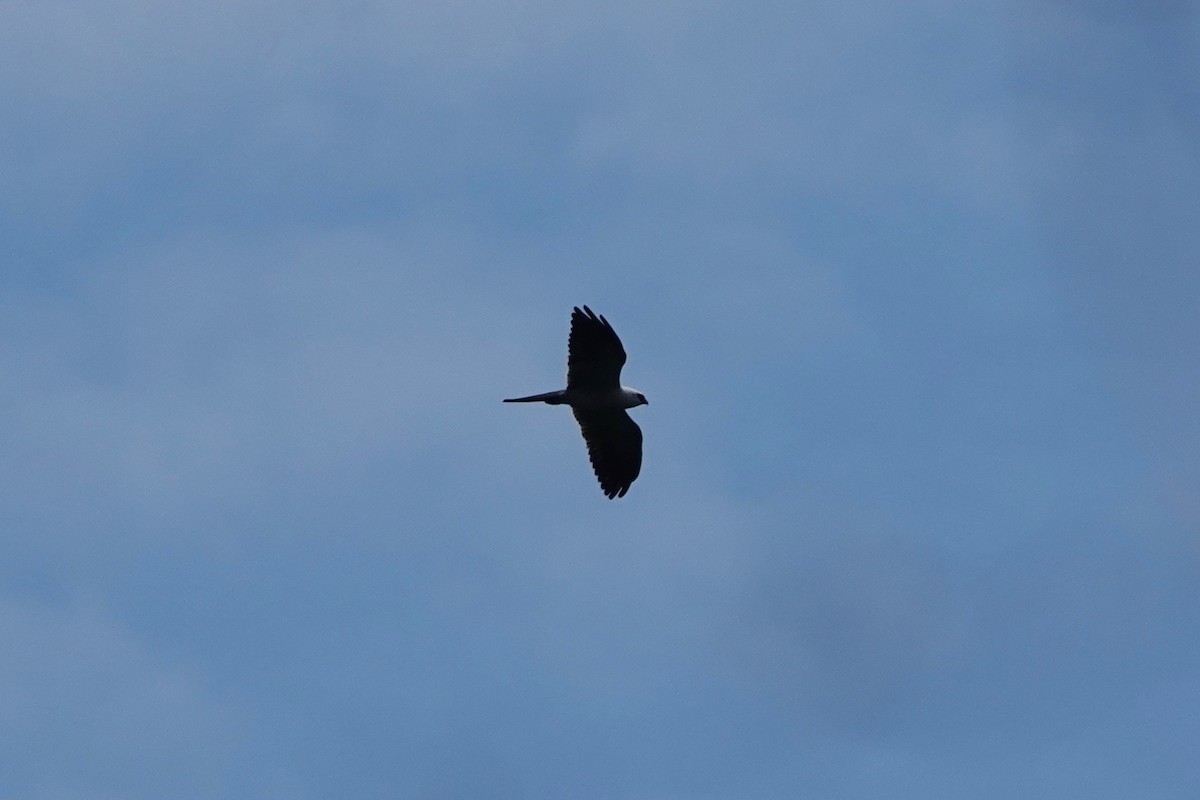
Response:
column 594, row 392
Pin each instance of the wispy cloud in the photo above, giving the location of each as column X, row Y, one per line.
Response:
column 909, row 291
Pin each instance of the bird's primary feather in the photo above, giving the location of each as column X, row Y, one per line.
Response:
column 595, row 357
column 594, row 353
column 614, row 444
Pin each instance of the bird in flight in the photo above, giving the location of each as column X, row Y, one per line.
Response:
column 598, row 400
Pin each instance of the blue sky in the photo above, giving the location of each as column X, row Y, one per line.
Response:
column 911, row 289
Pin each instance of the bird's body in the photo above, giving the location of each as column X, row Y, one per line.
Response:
column 623, row 398
column 599, row 401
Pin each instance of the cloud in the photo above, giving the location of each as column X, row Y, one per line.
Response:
column 1112, row 167
column 91, row 711
column 190, row 371
column 274, row 269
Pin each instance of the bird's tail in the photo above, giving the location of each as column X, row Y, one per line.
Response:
column 553, row 398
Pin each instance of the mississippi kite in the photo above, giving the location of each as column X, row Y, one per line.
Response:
column 598, row 400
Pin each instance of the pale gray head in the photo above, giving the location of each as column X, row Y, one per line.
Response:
column 633, row 397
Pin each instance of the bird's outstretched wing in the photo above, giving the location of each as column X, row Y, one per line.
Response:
column 594, row 354
column 614, row 443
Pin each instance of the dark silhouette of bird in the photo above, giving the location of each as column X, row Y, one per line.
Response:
column 599, row 401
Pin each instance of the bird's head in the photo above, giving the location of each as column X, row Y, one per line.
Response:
column 635, row 398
